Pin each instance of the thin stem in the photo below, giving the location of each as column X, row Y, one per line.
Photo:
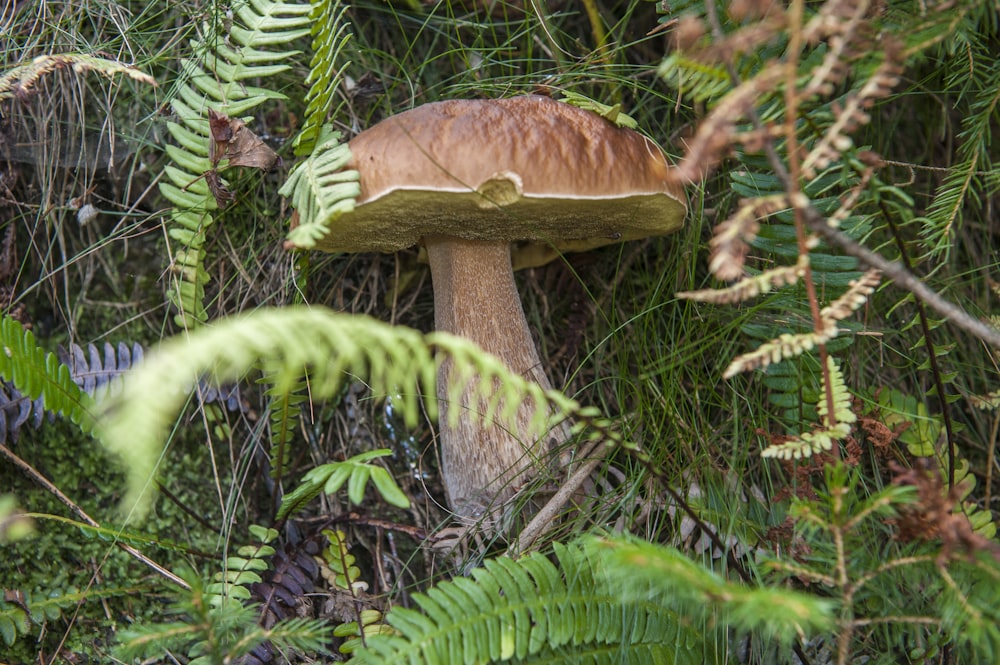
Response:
column 902, row 278
column 795, row 14
column 35, row 475
column 925, row 328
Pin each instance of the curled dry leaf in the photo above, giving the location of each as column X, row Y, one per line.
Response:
column 233, row 140
column 937, row 514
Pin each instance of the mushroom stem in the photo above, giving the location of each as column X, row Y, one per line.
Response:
column 475, row 297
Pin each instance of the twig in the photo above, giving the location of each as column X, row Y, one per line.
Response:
column 544, row 521
column 35, row 475
column 902, row 278
column 929, row 345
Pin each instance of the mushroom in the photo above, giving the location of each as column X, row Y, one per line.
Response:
column 467, row 179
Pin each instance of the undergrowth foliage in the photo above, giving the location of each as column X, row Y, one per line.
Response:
column 394, row 361
column 800, row 108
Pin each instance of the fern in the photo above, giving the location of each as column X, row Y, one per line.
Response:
column 602, row 600
column 243, row 570
column 284, row 410
column 343, row 574
column 95, row 373
column 215, row 634
column 518, row 610
column 284, row 589
column 18, row 81
column 24, row 612
column 330, row 35
column 321, row 190
column 355, row 472
column 834, row 426
column 394, row 360
column 40, row 375
column 230, row 56
column 639, row 569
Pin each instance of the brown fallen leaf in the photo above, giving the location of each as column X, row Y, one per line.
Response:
column 234, row 141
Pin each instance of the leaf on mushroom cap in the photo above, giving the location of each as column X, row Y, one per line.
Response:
column 519, row 169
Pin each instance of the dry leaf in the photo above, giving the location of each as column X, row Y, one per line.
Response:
column 233, row 140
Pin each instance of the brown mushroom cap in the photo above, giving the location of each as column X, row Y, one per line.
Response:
column 519, row 169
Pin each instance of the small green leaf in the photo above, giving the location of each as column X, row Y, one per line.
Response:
column 356, row 484
column 387, row 487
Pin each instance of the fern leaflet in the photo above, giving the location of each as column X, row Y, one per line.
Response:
column 355, row 472
column 38, row 374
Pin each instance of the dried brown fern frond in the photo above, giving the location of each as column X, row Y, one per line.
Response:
column 847, row 39
column 835, row 17
column 853, row 111
column 856, row 295
column 18, row 82
column 730, row 244
column 988, row 402
column 717, row 133
column 786, row 345
column 849, row 200
column 695, row 44
column 749, row 287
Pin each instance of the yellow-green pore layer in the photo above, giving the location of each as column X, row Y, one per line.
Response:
column 529, row 170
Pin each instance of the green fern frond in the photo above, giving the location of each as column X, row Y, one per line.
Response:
column 111, row 535
column 394, row 360
column 639, row 569
column 230, row 55
column 37, row 373
column 321, row 190
column 355, row 472
column 23, row 611
column 702, row 82
column 340, row 572
column 835, row 426
column 532, row 610
column 19, row 80
column 283, row 410
column 232, row 584
column 331, row 32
